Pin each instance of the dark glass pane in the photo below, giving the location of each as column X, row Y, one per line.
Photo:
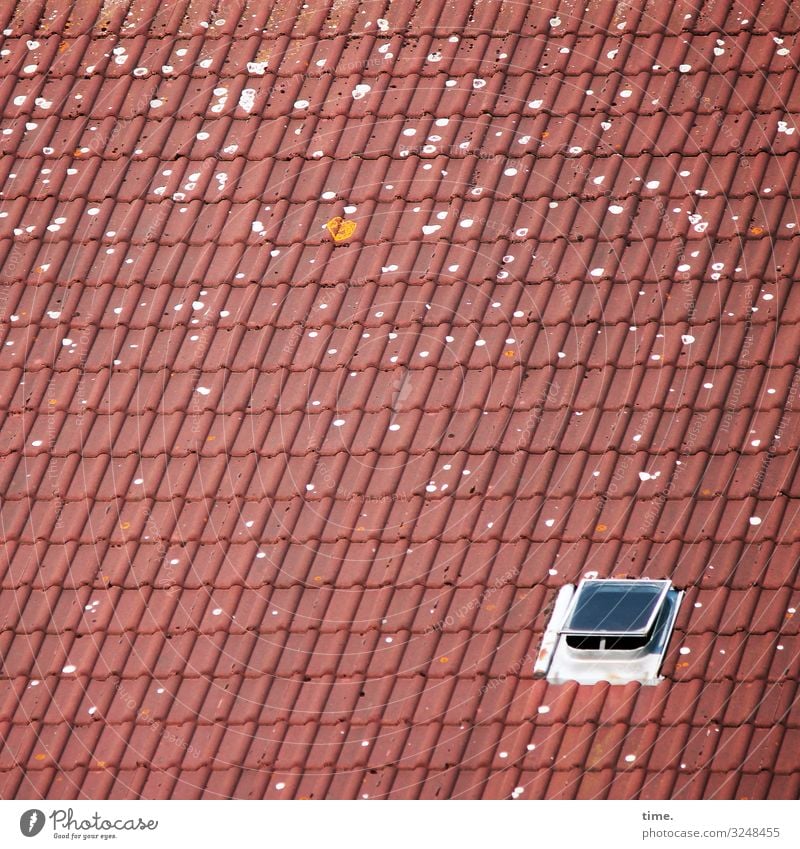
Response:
column 616, row 607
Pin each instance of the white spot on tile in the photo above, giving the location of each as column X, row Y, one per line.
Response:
column 247, row 99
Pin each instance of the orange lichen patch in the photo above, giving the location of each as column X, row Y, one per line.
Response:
column 102, row 764
column 756, row 231
column 124, row 525
column 341, row 228
column 509, row 353
column 601, row 527
column 444, row 659
column 318, row 579
column 39, row 756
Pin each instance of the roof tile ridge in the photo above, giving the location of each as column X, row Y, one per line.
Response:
column 509, row 452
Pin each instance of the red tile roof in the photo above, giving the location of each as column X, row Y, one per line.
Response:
column 285, row 508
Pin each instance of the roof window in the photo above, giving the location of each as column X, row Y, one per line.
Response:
column 613, row 630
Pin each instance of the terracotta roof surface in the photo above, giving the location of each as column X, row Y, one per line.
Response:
column 337, row 337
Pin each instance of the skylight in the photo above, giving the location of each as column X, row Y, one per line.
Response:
column 615, row 608
column 613, row 630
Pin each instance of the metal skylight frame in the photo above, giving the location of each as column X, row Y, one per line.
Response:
column 560, row 662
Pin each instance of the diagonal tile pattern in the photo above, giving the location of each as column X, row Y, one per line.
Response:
column 284, row 515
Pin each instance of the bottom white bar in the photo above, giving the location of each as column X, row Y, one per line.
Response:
column 398, row 825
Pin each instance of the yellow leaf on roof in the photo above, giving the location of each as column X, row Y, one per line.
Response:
column 341, row 228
